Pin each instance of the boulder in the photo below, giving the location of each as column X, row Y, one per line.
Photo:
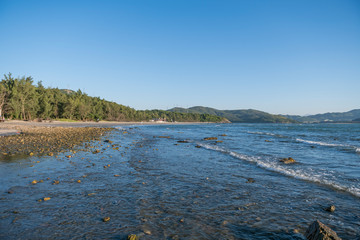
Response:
column 319, row 231
column 287, row 160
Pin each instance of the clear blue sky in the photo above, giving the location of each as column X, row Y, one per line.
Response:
column 289, row 57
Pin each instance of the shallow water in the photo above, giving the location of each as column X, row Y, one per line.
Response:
column 178, row 191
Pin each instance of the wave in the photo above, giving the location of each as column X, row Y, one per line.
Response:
column 303, row 174
column 355, row 148
column 320, row 143
column 267, row 134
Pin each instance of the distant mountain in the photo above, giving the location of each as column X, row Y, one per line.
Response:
column 328, row 117
column 237, row 116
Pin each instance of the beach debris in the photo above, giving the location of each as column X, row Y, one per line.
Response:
column 55, row 182
column 219, row 141
column 106, row 219
column 90, row 194
column 78, row 181
column 287, row 160
column 34, row 182
column 330, row 208
column 210, row 138
column 116, row 175
column 132, row 237
column 319, row 231
column 147, row 232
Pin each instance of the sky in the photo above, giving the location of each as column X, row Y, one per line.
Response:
column 282, row 57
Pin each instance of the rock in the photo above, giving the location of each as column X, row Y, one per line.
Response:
column 287, row 160
column 250, row 180
column 330, row 208
column 96, row 151
column 197, row 146
column 182, row 141
column 147, row 232
column 132, row 237
column 210, row 138
column 319, row 231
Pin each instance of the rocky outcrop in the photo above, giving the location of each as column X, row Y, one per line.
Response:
column 319, row 231
column 287, row 160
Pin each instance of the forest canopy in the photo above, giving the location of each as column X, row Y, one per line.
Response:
column 21, row 99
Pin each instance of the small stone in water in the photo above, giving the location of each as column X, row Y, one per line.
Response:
column 330, row 208
column 106, row 219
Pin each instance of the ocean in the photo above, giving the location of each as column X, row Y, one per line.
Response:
column 168, row 182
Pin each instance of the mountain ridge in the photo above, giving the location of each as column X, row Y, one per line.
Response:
column 349, row 116
column 237, row 116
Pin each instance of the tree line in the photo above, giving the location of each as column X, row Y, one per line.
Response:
column 21, row 99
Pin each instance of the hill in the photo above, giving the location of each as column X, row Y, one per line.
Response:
column 237, row 116
column 328, row 117
column 20, row 98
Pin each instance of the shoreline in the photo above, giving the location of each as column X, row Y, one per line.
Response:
column 14, row 127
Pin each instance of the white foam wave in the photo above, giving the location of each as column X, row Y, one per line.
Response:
column 357, row 149
column 303, row 174
column 262, row 133
column 320, row 143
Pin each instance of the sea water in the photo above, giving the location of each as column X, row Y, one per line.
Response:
column 167, row 182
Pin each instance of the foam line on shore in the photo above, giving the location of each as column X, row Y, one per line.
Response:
column 273, row 165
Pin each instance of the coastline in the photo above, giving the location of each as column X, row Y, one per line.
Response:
column 13, row 127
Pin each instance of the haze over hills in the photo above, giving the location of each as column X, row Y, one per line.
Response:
column 237, row 116
column 353, row 115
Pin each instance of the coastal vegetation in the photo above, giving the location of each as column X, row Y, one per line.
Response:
column 21, row 99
